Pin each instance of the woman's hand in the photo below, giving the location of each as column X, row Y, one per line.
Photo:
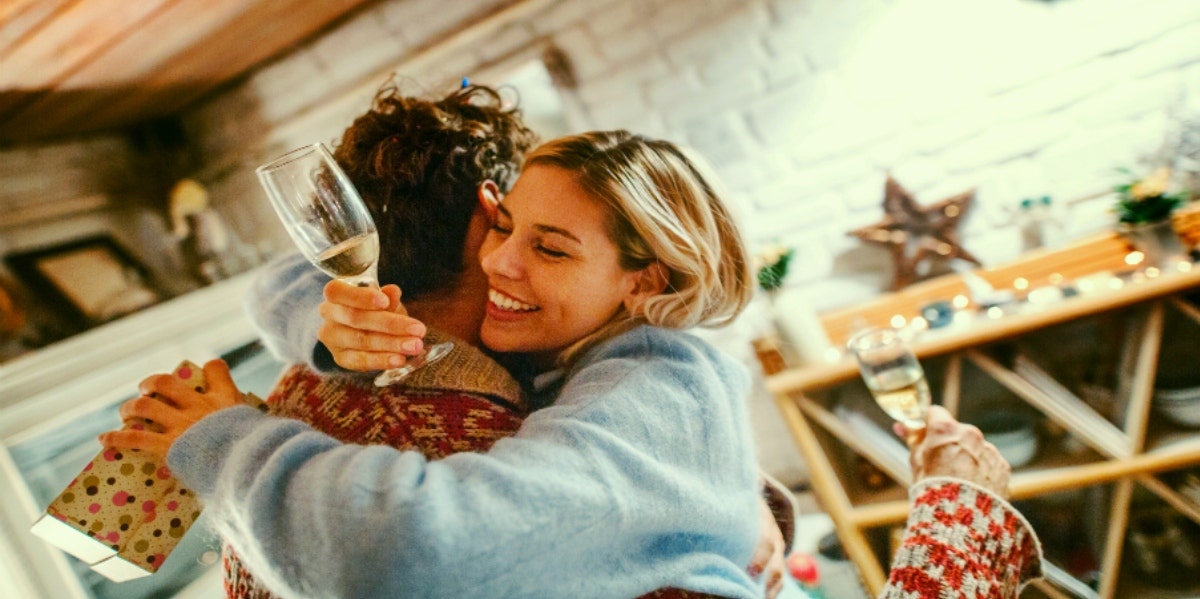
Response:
column 172, row 406
column 768, row 559
column 368, row 329
column 951, row 448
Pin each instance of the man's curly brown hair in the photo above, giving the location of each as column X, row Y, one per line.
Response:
column 418, row 164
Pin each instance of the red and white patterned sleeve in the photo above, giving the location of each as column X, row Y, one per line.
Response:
column 962, row 541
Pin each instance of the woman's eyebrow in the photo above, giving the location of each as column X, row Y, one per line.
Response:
column 543, row 228
column 558, row 231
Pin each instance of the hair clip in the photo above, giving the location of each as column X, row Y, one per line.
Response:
column 465, row 83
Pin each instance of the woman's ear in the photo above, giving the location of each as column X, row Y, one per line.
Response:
column 489, row 198
column 648, row 282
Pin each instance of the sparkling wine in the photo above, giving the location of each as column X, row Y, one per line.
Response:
column 902, row 393
column 352, row 257
column 320, row 208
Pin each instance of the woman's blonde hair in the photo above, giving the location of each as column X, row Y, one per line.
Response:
column 663, row 207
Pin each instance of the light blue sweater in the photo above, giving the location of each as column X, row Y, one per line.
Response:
column 641, row 476
column 282, row 305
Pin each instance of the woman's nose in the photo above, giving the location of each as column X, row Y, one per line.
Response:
column 502, row 260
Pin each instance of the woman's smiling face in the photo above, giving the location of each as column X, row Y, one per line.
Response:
column 554, row 274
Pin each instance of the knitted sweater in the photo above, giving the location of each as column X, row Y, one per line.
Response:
column 617, row 489
column 962, row 541
column 464, row 402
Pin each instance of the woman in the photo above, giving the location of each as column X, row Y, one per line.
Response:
column 617, row 476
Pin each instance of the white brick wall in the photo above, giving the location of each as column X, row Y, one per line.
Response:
column 423, row 21
column 803, row 106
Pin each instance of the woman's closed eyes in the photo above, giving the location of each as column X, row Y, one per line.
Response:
column 502, row 227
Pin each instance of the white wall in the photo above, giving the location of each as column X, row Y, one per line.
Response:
column 803, row 106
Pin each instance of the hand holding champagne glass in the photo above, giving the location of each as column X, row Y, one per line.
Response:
column 894, row 376
column 325, row 216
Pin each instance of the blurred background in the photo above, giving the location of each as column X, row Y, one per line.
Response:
column 129, row 133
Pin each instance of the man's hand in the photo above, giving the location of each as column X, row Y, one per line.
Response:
column 368, row 329
column 951, row 448
column 768, row 559
column 173, row 406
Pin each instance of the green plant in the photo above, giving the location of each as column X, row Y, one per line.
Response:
column 1146, row 199
column 773, row 266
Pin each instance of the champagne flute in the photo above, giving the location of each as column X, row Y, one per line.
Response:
column 328, row 221
column 894, row 377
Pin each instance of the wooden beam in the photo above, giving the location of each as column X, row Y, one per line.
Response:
column 1137, row 383
column 952, row 384
column 984, row 330
column 1187, row 309
column 1097, row 253
column 1040, row 482
column 1170, row 496
column 76, row 35
column 1114, row 544
column 184, row 77
column 832, row 497
column 896, row 468
column 1058, row 404
column 161, row 75
column 22, row 18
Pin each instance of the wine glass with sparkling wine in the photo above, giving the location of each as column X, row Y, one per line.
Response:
column 894, row 376
column 325, row 216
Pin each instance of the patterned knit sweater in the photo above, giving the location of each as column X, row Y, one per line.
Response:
column 962, row 542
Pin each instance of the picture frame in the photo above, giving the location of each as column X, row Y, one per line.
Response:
column 88, row 281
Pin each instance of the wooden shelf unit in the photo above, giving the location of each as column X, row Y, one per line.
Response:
column 1120, row 451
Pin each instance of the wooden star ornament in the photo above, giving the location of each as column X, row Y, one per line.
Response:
column 914, row 234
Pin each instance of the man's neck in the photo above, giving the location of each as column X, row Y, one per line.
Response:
column 457, row 311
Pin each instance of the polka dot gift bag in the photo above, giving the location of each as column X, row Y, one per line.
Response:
column 124, row 513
